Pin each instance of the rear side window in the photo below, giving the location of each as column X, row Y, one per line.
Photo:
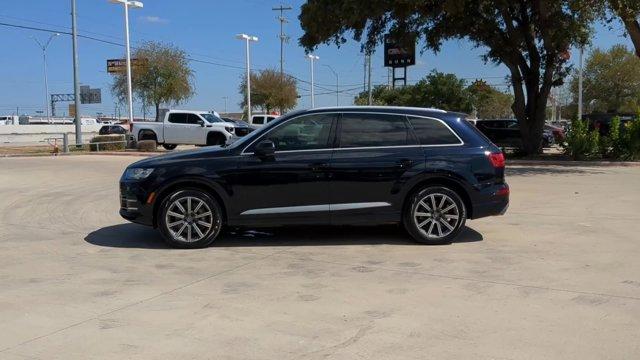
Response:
column 433, row 132
column 178, row 118
column 258, row 120
column 373, row 130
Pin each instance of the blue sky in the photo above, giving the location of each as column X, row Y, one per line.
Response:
column 205, row 30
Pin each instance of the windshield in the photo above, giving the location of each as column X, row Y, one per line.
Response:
column 211, row 118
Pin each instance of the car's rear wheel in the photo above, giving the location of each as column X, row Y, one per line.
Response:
column 169, row 146
column 435, row 215
column 190, row 219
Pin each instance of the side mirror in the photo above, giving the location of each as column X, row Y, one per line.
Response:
column 201, row 123
column 265, row 148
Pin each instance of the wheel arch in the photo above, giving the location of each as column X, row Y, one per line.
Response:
column 189, row 183
column 441, row 180
column 213, row 134
column 142, row 132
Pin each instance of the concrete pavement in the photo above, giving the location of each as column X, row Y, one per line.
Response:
column 558, row 277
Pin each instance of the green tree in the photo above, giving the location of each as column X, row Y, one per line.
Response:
column 164, row 78
column 439, row 90
column 628, row 11
column 530, row 37
column 611, row 80
column 490, row 103
column 270, row 91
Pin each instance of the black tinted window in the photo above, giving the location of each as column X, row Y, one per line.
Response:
column 258, row 120
column 303, row 133
column 365, row 130
column 432, row 132
column 178, row 118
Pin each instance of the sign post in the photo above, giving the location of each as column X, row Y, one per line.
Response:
column 399, row 54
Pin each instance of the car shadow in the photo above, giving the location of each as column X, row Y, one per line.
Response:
column 520, row 170
column 143, row 237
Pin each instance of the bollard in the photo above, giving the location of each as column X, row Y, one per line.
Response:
column 65, row 142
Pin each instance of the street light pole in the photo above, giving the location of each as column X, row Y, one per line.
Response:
column 46, row 81
column 580, row 84
column 76, row 76
column 247, row 39
column 135, row 5
column 225, row 103
column 337, row 84
column 312, row 58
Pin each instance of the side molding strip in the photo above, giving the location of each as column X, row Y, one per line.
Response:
column 315, row 208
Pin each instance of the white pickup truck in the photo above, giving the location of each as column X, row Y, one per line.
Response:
column 176, row 127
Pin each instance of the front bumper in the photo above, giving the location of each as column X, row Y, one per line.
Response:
column 134, row 204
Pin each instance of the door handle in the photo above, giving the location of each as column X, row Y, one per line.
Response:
column 404, row 163
column 319, row 166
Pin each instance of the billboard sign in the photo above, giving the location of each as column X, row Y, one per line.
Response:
column 398, row 54
column 89, row 95
column 119, row 66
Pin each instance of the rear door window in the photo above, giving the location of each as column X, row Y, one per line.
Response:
column 258, row 120
column 433, row 132
column 178, row 118
column 374, row 130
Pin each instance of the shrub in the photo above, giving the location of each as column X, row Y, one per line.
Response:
column 630, row 140
column 107, row 143
column 581, row 143
column 146, row 145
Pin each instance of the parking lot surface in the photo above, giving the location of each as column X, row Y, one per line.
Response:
column 557, row 277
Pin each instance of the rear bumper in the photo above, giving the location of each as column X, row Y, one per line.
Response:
column 494, row 200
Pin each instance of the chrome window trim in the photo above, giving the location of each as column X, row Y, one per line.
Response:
column 358, row 148
column 314, row 208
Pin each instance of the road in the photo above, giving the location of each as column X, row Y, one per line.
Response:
column 558, row 277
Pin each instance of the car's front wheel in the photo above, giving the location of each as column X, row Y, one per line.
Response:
column 190, row 219
column 435, row 215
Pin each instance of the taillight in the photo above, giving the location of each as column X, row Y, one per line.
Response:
column 496, row 159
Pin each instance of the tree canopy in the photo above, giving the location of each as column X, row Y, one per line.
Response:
column 530, row 37
column 270, row 91
column 611, row 81
column 490, row 103
column 164, row 78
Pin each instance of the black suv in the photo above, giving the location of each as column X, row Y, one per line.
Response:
column 426, row 168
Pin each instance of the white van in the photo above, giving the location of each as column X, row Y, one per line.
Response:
column 9, row 120
column 258, row 120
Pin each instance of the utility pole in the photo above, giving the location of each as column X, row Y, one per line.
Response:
column 76, row 78
column 312, row 58
column 225, row 103
column 337, row 84
column 283, row 37
column 369, row 79
column 580, row 84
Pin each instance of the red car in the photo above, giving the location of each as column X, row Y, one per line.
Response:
column 558, row 133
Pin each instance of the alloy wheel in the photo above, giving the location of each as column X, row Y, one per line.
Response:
column 436, row 216
column 190, row 219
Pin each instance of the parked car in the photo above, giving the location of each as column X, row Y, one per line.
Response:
column 557, row 132
column 242, row 127
column 425, row 168
column 506, row 133
column 602, row 122
column 112, row 129
column 258, row 120
column 184, row 127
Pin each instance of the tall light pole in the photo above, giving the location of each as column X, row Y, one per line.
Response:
column 44, row 61
column 337, row 84
column 312, row 58
column 580, row 84
column 76, row 76
column 225, row 103
column 247, row 39
column 135, row 5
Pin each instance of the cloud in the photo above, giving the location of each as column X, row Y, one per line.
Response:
column 154, row 19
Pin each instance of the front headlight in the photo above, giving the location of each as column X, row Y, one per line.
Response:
column 137, row 173
column 229, row 129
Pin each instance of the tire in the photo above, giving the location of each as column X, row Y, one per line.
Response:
column 216, row 138
column 435, row 232
column 183, row 219
column 169, row 146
